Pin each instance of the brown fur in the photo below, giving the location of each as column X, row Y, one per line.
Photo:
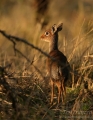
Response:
column 58, row 68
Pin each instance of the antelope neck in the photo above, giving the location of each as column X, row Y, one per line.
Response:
column 53, row 45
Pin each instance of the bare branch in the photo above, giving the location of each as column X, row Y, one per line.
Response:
column 15, row 39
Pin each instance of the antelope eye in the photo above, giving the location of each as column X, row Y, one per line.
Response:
column 47, row 33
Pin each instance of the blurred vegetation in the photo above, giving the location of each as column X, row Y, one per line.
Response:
column 20, row 18
column 27, row 19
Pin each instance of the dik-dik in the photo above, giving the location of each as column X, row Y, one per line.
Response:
column 57, row 64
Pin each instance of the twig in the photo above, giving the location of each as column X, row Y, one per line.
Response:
column 85, row 67
column 15, row 39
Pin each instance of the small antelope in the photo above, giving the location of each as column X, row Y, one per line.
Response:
column 58, row 68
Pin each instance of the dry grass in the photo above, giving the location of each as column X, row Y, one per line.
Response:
column 30, row 81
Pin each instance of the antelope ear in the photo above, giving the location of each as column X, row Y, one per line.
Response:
column 54, row 28
column 59, row 27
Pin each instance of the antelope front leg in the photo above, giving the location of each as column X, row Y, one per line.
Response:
column 52, row 91
column 59, row 94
